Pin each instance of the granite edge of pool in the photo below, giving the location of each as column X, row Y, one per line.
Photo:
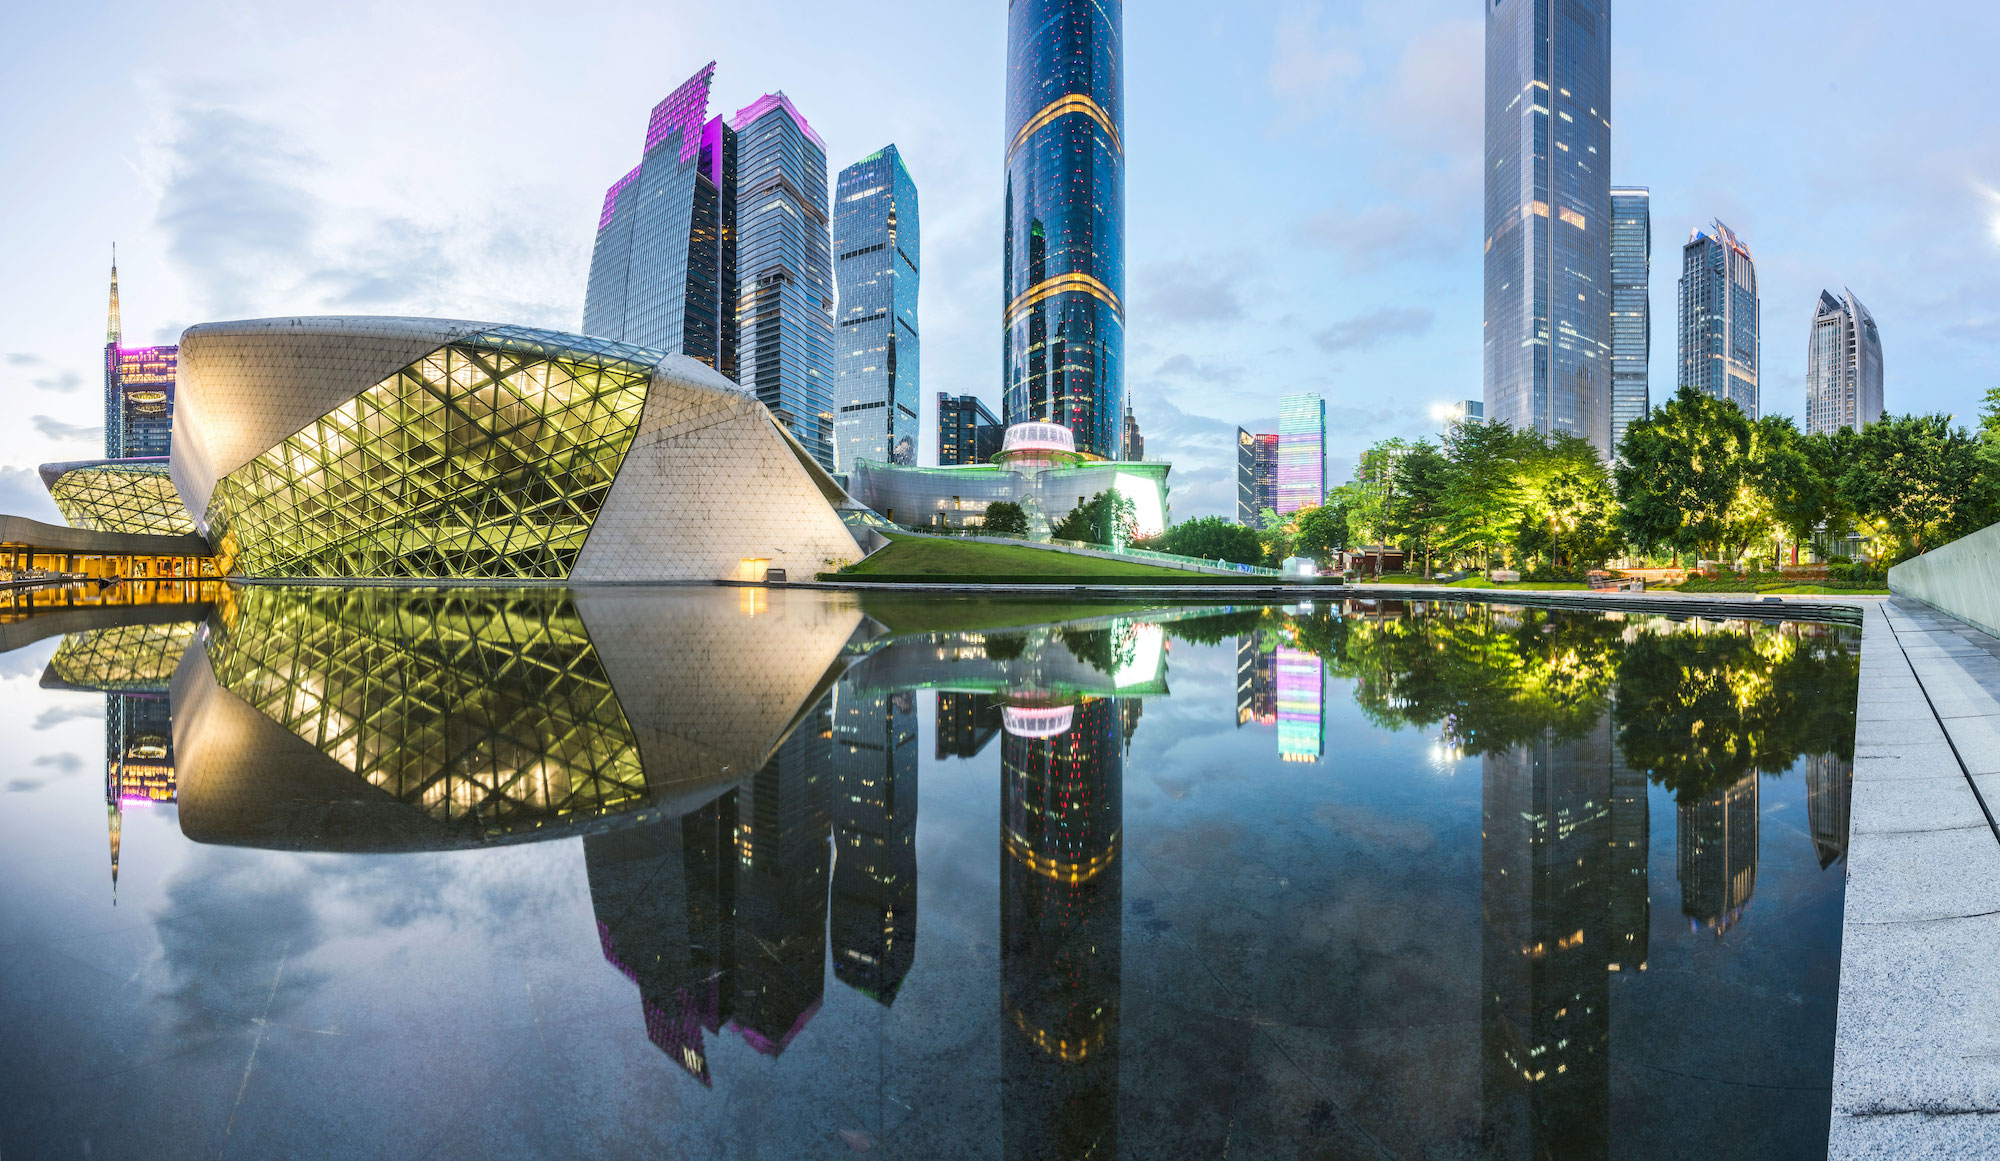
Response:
column 1916, row 1069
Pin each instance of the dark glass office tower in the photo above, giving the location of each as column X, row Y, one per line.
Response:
column 785, row 265
column 1063, row 349
column 966, row 722
column 876, row 243
column 961, row 423
column 1062, row 774
column 663, row 268
column 1721, row 344
column 874, row 908
column 1631, row 308
column 1548, row 217
column 138, row 391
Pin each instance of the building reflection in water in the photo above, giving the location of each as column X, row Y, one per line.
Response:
column 874, row 912
column 1062, row 771
column 1715, row 847
column 966, row 723
column 1829, row 794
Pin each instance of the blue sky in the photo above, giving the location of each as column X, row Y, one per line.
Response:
column 1303, row 185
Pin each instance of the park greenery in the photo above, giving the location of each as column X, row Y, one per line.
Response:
column 1108, row 518
column 1005, row 518
column 1695, row 481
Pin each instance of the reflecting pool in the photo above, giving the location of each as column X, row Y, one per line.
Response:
column 718, row 873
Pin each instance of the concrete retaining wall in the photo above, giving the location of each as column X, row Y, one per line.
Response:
column 1962, row 579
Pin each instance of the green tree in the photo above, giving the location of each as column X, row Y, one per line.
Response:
column 1005, row 518
column 1800, row 476
column 1925, row 481
column 1319, row 532
column 1107, row 518
column 1568, row 513
column 1686, row 478
column 1212, row 538
column 1374, row 493
column 1483, row 493
column 1417, row 517
column 1989, row 416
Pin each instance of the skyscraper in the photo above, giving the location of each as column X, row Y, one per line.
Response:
column 1063, row 267
column 1264, row 471
column 1135, row 443
column 1719, row 312
column 785, row 268
column 1715, row 851
column 138, row 390
column 1246, row 478
column 1301, row 705
column 1301, row 452
column 875, row 364
column 1548, row 212
column 1843, row 366
column 961, row 421
column 663, row 267
column 1631, row 307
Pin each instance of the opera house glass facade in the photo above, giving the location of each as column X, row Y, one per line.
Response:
column 1063, row 271
column 128, row 495
column 422, row 449
column 775, row 872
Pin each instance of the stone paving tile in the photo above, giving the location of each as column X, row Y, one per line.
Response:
column 1916, row 1137
column 1917, row 1056
column 1978, row 742
column 1881, row 866
column 1903, row 805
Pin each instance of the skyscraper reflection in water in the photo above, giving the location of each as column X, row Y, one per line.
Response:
column 1062, row 770
column 1716, row 855
column 1564, row 902
column 875, row 840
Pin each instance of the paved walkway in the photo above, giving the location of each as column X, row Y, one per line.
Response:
column 1917, row 1059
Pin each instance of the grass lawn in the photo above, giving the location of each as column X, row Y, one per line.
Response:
column 957, row 559
column 944, row 612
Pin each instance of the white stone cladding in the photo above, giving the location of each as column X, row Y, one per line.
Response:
column 245, row 386
column 711, row 481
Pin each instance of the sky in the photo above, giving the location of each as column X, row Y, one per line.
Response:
column 1303, row 184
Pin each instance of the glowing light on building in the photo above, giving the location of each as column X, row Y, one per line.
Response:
column 1301, row 694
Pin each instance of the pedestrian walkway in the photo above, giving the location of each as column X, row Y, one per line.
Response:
column 1917, row 1055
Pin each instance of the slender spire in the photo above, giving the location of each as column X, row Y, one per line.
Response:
column 114, row 333
column 117, row 819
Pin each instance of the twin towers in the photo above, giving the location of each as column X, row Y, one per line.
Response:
column 723, row 244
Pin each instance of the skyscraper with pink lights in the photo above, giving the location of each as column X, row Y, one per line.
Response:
column 1301, row 452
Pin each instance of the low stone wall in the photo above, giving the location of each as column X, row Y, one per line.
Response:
column 1962, row 579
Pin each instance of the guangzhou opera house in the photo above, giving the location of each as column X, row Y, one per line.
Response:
column 431, row 449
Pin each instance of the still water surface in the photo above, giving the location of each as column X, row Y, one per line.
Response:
column 722, row 873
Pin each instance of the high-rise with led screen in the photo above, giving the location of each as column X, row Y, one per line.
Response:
column 1719, row 315
column 1548, row 217
column 138, row 391
column 663, row 268
column 875, row 243
column 785, row 269
column 1631, row 308
column 1301, row 717
column 1063, row 267
column 1062, row 774
column 1301, row 452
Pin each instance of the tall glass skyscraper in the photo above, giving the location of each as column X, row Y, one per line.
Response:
column 663, row 268
column 1719, row 317
column 1843, row 366
column 1548, row 215
column 967, row 431
column 1063, row 268
column 1301, row 452
column 1631, row 307
column 138, row 390
column 875, row 240
column 785, row 265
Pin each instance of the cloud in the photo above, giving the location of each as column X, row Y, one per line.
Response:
column 1367, row 330
column 1435, row 100
column 23, row 359
column 1312, row 64
column 56, row 715
column 23, row 494
column 1186, row 291
column 1375, row 236
column 62, row 381
column 20, row 785
column 1992, row 199
column 65, row 763
column 61, row 432
column 233, row 209
column 1985, row 328
column 1184, row 366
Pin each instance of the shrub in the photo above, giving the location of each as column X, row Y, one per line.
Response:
column 1211, row 538
column 1005, row 518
